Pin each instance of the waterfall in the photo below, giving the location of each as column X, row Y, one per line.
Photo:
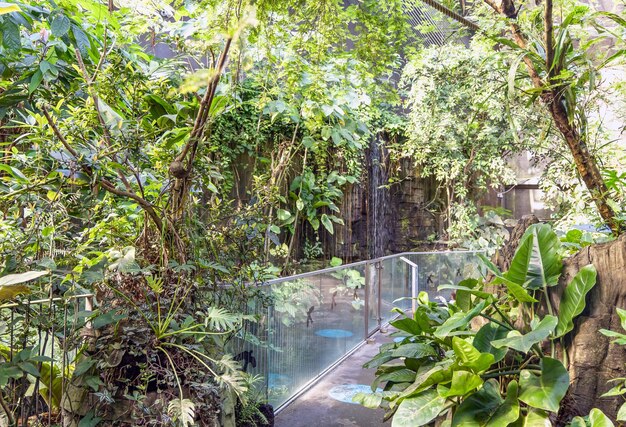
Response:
column 379, row 206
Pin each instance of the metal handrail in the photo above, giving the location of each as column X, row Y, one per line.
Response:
column 359, row 263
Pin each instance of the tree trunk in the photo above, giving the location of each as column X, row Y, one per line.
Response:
column 593, row 359
column 504, row 255
column 586, row 164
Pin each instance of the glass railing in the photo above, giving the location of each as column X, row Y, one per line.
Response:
column 318, row 318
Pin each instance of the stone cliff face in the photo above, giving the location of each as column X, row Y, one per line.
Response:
column 380, row 217
column 594, row 360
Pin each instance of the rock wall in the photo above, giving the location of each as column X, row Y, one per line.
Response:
column 383, row 218
column 593, row 359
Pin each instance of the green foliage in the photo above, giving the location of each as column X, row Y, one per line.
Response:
column 168, row 185
column 457, row 132
column 499, row 371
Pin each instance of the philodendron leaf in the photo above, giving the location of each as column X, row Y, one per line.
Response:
column 515, row 278
column 470, row 357
column 408, row 325
column 459, row 320
column 16, row 279
column 546, row 390
column 535, row 418
column 622, row 316
column 487, row 408
column 369, row 400
column 523, row 343
column 419, row 410
column 475, row 292
column 508, row 411
column 414, row 350
column 621, row 414
column 519, row 264
column 596, row 419
column 8, row 8
column 486, row 335
column 545, row 263
column 621, row 338
column 516, row 291
column 462, row 383
column 573, row 299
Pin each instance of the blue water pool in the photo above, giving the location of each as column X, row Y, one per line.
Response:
column 345, row 392
column 277, row 380
column 334, row 333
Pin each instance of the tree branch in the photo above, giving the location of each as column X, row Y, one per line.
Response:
column 94, row 96
column 205, row 104
column 548, row 38
column 58, row 133
column 106, row 184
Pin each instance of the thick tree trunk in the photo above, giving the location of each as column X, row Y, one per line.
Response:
column 586, row 164
column 504, row 255
column 593, row 359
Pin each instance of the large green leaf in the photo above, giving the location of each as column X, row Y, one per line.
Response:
column 534, row 418
column 470, row 357
column 407, row 325
column 523, row 343
column 427, row 376
column 413, row 350
column 486, row 335
column 519, row 264
column 546, row 390
column 60, row 25
column 16, row 279
column 598, row 419
column 622, row 316
column 398, row 376
column 458, row 320
column 515, row 278
column 369, row 400
column 462, row 383
column 476, row 292
column 487, row 408
column 11, row 38
column 8, row 8
column 545, row 263
column 573, row 299
column 621, row 413
column 419, row 410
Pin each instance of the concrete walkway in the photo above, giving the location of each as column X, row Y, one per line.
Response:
column 316, row 407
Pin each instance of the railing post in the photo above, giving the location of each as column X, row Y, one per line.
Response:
column 414, row 286
column 379, row 297
column 414, row 281
column 368, row 284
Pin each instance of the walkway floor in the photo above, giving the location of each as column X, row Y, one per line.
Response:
column 317, row 408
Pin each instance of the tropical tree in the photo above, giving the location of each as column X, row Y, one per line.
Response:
column 563, row 62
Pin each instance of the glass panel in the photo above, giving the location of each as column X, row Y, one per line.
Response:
column 314, row 322
column 371, row 282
